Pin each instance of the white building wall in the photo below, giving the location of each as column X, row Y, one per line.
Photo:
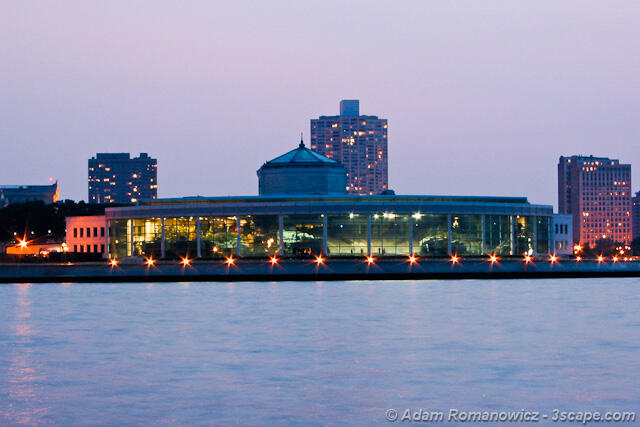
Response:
column 562, row 234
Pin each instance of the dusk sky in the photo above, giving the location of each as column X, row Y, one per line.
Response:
column 482, row 97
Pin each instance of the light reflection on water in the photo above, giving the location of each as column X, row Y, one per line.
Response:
column 336, row 353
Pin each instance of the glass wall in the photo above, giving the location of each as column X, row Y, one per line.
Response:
column 542, row 234
column 180, row 237
column 523, row 232
column 218, row 236
column 118, row 241
column 347, row 234
column 259, row 235
column 389, row 234
column 147, row 237
column 430, row 235
column 466, row 234
column 497, row 234
column 302, row 234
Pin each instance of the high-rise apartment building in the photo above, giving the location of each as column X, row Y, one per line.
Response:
column 359, row 143
column 596, row 191
column 118, row 178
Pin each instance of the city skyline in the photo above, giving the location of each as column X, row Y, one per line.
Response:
column 453, row 105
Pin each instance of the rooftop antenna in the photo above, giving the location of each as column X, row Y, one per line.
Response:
column 301, row 141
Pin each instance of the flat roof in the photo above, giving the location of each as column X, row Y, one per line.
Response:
column 333, row 198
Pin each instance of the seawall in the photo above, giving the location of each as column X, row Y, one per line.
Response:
column 308, row 270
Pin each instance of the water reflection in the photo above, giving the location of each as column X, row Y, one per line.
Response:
column 313, row 353
column 23, row 373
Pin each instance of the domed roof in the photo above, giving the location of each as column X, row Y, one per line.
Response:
column 302, row 171
column 301, row 155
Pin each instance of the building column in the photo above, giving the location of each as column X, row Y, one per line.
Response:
column 131, row 229
column 162, row 238
column 369, row 234
column 449, row 234
column 238, row 237
column 535, row 234
column 325, row 242
column 281, row 234
column 512, row 232
column 198, row 238
column 484, row 239
column 411, row 234
column 549, row 239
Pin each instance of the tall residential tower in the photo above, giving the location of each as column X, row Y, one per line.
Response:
column 117, row 178
column 596, row 191
column 359, row 143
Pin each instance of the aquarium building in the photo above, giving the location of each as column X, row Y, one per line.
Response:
column 303, row 210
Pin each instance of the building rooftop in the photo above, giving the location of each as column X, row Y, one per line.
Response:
column 349, row 198
column 301, row 155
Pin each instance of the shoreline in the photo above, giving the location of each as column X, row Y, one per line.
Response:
column 308, row 270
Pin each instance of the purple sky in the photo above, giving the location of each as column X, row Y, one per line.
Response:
column 481, row 96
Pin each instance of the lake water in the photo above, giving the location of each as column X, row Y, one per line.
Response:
column 332, row 353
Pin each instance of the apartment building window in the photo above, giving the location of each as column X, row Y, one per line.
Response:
column 101, row 231
column 75, row 232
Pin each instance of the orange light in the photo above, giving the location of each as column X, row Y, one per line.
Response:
column 215, row 249
column 578, row 258
column 185, row 261
column 577, row 248
column 600, row 258
column 553, row 259
column 273, row 260
column 413, row 259
column 319, row 260
column 527, row 259
column 371, row 260
column 23, row 243
column 230, row 261
column 150, row 261
column 113, row 262
column 493, row 258
column 615, row 259
column 455, row 259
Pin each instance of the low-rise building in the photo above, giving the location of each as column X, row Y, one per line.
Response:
column 87, row 234
column 285, row 221
column 562, row 234
column 10, row 194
